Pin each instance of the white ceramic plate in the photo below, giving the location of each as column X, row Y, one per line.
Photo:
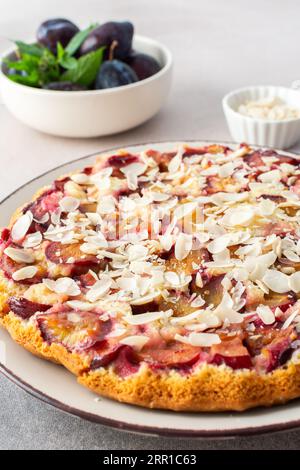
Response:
column 56, row 386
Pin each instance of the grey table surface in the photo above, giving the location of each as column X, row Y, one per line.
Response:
column 217, row 46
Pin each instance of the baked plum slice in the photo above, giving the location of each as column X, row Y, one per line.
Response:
column 161, row 158
column 190, row 264
column 48, row 202
column 280, row 229
column 171, row 355
column 124, row 359
column 212, row 290
column 231, row 352
column 119, row 161
column 254, row 159
column 70, row 254
column 24, row 308
column 10, row 266
column 272, row 347
column 283, row 301
column 5, row 236
column 74, row 329
column 126, row 362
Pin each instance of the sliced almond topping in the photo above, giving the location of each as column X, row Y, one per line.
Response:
column 183, row 246
column 276, row 281
column 21, row 226
column 290, row 319
column 69, row 204
column 137, row 252
column 238, row 216
column 99, row 289
column 148, row 317
column 184, row 209
column 135, row 341
column 80, row 178
column 32, row 240
column 132, row 172
column 20, row 255
column 272, row 176
column 219, row 244
column 172, row 278
column 294, row 282
column 64, row 285
column 79, row 305
column 175, row 163
column 28, row 272
column 199, row 339
column 265, row 314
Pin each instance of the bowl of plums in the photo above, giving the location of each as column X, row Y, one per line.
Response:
column 88, row 82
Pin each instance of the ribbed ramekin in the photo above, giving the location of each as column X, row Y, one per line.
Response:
column 277, row 134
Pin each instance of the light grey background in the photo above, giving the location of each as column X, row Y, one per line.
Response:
column 217, row 46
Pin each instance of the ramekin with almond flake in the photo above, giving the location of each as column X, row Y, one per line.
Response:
column 264, row 115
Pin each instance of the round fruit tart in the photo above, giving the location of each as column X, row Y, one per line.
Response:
column 164, row 279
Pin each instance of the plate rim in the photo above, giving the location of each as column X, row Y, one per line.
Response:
column 121, row 425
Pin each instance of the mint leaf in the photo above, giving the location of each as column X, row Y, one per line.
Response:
column 63, row 58
column 60, row 51
column 32, row 79
column 86, row 69
column 26, row 64
column 68, row 63
column 78, row 39
column 31, row 49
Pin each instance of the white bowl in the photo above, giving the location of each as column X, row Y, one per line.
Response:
column 277, row 134
column 92, row 113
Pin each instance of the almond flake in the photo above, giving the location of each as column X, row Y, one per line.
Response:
column 183, row 246
column 80, row 178
column 290, row 319
column 272, row 176
column 172, row 278
column 132, row 171
column 19, row 255
column 166, row 242
column 266, row 207
column 63, row 285
column 238, row 216
column 159, row 197
column 175, row 162
column 265, row 314
column 219, row 244
column 136, row 341
column 137, row 252
column 106, row 205
column 294, row 282
column 184, row 209
column 225, row 312
column 99, row 289
column 28, row 272
column 143, row 318
column 94, row 218
column 69, row 204
column 199, row 339
column 276, row 281
column 291, row 255
column 32, row 240
column 21, row 226
column 43, row 219
column 79, row 305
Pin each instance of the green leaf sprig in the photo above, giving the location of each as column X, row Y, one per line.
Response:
column 37, row 66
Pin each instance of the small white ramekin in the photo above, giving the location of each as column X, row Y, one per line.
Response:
column 277, row 134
